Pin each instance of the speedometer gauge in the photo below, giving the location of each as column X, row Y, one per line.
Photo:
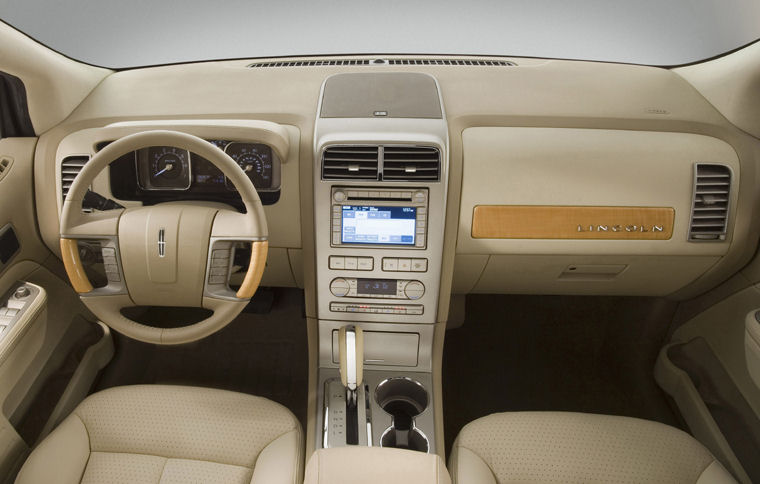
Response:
column 255, row 160
column 164, row 168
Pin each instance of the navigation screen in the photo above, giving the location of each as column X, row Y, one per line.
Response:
column 378, row 225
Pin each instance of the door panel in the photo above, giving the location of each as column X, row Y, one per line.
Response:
column 47, row 325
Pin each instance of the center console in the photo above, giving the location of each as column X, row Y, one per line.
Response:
column 381, row 146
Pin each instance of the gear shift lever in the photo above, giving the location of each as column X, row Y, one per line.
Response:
column 351, row 343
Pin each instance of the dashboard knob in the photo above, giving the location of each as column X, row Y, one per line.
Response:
column 414, row 290
column 339, row 196
column 339, row 287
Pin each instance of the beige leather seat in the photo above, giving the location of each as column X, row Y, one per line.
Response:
column 532, row 447
column 170, row 434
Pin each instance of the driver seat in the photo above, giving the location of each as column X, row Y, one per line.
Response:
column 167, row 434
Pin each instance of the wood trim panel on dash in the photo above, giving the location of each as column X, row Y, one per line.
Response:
column 572, row 222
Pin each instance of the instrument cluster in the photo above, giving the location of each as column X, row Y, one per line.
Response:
column 162, row 168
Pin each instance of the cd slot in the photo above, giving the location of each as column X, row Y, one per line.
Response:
column 381, row 199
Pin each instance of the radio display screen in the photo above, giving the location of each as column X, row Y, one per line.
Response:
column 378, row 225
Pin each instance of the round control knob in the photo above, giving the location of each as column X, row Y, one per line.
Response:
column 414, row 290
column 21, row 292
column 419, row 196
column 339, row 287
column 339, row 196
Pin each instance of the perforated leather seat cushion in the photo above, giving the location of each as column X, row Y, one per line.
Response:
column 165, row 434
column 532, row 447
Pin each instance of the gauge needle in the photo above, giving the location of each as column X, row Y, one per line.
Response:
column 168, row 167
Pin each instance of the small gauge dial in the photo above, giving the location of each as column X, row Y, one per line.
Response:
column 255, row 160
column 168, row 168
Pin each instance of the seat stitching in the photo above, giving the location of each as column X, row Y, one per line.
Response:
column 295, row 429
column 89, row 445
column 705, row 468
column 171, row 458
column 482, row 460
column 163, row 469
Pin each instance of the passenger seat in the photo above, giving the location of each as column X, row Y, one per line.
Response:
column 533, row 447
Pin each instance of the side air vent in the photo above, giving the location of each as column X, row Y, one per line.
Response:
column 709, row 215
column 70, row 168
column 350, row 163
column 411, row 163
column 386, row 62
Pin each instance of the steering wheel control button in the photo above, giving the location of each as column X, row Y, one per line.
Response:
column 339, row 287
column 414, row 290
column 220, row 254
column 21, row 292
column 108, row 252
column 220, row 262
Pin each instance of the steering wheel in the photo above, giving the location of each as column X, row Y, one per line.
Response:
column 169, row 254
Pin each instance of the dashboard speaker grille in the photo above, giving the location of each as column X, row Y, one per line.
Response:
column 411, row 163
column 70, row 168
column 709, row 214
column 350, row 163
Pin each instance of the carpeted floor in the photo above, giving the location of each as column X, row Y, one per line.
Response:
column 264, row 354
column 583, row 354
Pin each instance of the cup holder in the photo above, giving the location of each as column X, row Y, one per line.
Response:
column 403, row 399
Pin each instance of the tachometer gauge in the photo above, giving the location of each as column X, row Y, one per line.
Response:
column 255, row 160
column 168, row 168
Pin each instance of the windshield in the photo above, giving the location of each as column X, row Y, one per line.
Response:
column 121, row 34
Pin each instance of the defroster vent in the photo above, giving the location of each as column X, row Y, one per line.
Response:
column 70, row 168
column 712, row 193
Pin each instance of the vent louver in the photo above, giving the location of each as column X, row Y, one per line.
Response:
column 709, row 215
column 385, row 62
column 411, row 163
column 350, row 163
column 389, row 163
column 70, row 168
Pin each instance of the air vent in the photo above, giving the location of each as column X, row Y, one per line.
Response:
column 70, row 168
column 411, row 163
column 450, row 62
column 350, row 163
column 385, row 62
column 313, row 63
column 712, row 188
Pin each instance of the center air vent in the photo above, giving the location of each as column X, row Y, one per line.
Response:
column 712, row 190
column 70, row 168
column 411, row 163
column 389, row 163
column 350, row 162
